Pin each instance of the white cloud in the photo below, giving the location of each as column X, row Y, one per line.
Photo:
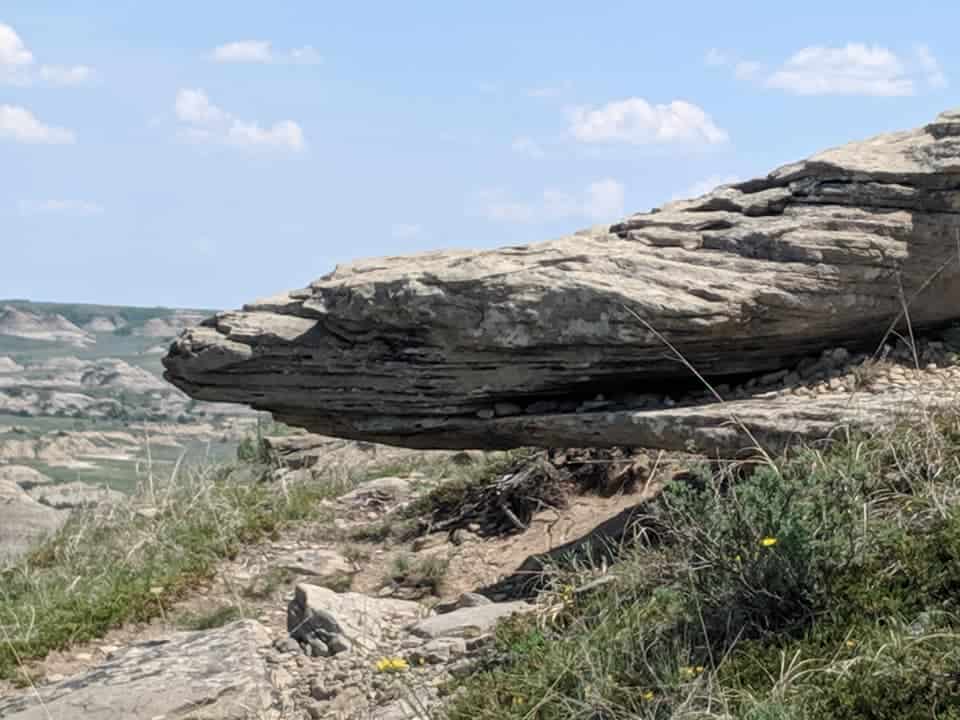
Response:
column 604, row 200
column 205, row 122
column 306, row 55
column 244, row 51
column 702, row 187
column 194, row 107
column 550, row 91
column 931, row 67
column 527, row 146
column 17, row 65
column 285, row 134
column 13, row 53
column 636, row 121
column 716, row 57
column 21, row 125
column 747, row 70
column 261, row 51
column 61, row 207
column 600, row 200
column 855, row 69
column 406, row 231
column 60, row 75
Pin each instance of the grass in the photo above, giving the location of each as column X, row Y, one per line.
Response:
column 424, row 574
column 823, row 585
column 110, row 566
column 218, row 617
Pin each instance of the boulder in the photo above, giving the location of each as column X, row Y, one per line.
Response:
column 24, row 522
column 339, row 621
column 468, row 621
column 579, row 340
column 210, row 675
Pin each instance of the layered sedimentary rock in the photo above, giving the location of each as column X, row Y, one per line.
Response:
column 511, row 346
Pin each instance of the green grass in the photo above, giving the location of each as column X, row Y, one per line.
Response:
column 826, row 586
column 425, row 574
column 111, row 566
column 217, row 617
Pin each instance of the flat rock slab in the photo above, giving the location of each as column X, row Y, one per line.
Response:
column 467, row 622
column 318, row 562
column 528, row 345
column 210, row 675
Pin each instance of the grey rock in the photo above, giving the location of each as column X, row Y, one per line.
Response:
column 287, row 645
column 24, row 522
column 318, row 562
column 467, row 622
column 466, row 600
column 747, row 279
column 210, row 675
column 438, row 651
column 341, row 620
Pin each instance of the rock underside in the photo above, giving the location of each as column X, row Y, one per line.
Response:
column 579, row 341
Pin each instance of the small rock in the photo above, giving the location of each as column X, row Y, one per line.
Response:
column 466, row 600
column 318, row 691
column 439, row 651
column 287, row 645
column 338, row 644
column 318, row 647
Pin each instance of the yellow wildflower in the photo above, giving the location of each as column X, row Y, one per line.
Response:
column 648, row 695
column 392, row 664
column 851, row 643
column 768, row 541
column 518, row 700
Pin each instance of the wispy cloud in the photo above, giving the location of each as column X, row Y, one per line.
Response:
column 637, row 122
column 18, row 65
column 20, row 125
column 600, row 200
column 527, row 146
column 549, row 91
column 205, row 122
column 853, row 69
column 79, row 208
column 261, row 51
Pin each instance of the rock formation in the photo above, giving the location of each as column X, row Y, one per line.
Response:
column 577, row 341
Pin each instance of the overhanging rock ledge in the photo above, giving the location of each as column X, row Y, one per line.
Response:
column 540, row 345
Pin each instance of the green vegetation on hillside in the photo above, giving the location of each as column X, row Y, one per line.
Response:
column 116, row 565
column 824, row 586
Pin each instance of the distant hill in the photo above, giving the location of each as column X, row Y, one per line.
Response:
column 121, row 319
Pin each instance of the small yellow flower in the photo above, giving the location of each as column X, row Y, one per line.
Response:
column 738, row 559
column 518, row 700
column 768, row 541
column 648, row 695
column 851, row 643
column 392, row 664
column 699, row 669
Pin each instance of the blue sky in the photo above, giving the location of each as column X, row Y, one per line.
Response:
column 204, row 154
